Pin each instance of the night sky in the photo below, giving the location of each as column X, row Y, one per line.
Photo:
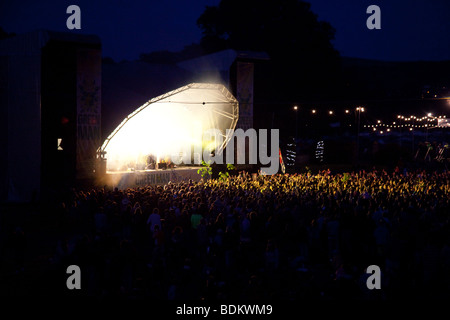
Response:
column 410, row 29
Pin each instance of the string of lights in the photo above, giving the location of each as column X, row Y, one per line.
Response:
column 409, row 122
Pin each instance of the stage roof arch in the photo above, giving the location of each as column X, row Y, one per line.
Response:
column 165, row 124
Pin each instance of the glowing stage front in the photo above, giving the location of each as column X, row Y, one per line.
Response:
column 168, row 125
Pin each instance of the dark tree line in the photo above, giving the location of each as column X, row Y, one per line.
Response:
column 303, row 61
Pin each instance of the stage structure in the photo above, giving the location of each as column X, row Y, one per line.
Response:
column 50, row 115
column 148, row 138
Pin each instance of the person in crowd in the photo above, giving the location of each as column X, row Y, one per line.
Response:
column 154, row 220
column 238, row 233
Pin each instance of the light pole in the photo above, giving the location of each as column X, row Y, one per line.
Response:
column 296, row 122
column 430, row 115
column 401, row 130
column 358, row 110
column 412, row 131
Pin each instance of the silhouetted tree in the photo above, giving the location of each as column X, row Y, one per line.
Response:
column 303, row 59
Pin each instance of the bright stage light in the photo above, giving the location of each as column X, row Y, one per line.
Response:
column 170, row 123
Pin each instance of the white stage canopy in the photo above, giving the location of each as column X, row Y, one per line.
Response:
column 167, row 124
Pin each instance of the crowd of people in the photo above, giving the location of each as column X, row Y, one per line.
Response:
column 286, row 237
